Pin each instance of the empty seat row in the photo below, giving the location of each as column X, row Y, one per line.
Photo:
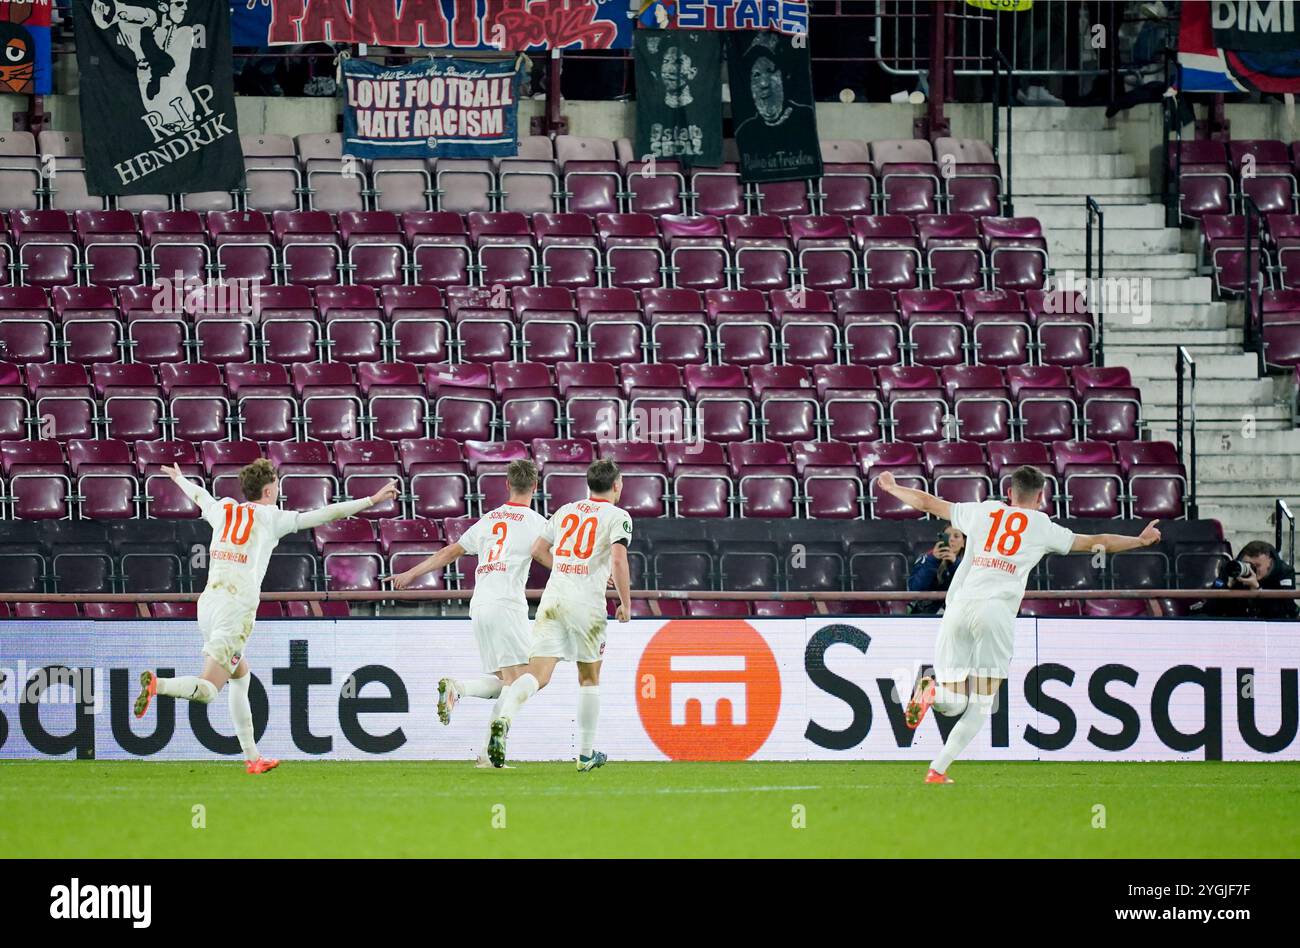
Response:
column 102, row 480
column 353, row 324
column 1217, row 177
column 588, row 175
column 525, row 400
column 52, row 248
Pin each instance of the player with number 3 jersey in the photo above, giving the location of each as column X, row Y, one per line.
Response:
column 588, row 542
column 1004, row 542
column 504, row 541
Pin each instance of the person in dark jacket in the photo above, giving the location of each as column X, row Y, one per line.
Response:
column 1257, row 566
column 933, row 571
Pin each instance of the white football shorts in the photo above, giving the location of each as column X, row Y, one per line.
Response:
column 226, row 626
column 501, row 631
column 569, row 629
column 976, row 637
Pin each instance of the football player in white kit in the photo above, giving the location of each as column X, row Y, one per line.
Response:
column 1004, row 542
column 503, row 541
column 243, row 537
column 588, row 542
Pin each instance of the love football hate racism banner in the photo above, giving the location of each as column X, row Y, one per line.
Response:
column 821, row 688
column 772, row 107
column 157, row 100
column 514, row 25
column 679, row 96
column 448, row 108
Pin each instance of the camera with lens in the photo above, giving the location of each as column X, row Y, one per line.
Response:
column 1238, row 570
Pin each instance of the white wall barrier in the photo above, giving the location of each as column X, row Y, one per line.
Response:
column 824, row 688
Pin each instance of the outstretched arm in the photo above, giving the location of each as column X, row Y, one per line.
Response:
column 1115, row 542
column 193, row 491
column 309, row 519
column 916, row 499
column 439, row 561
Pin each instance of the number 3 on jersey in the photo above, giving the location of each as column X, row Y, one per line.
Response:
column 1009, row 540
column 585, row 542
column 499, row 531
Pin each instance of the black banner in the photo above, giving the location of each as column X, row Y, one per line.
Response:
column 772, row 105
column 157, row 99
column 679, row 96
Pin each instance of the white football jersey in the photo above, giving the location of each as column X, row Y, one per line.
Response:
column 1003, row 545
column 503, row 542
column 244, row 536
column 581, row 535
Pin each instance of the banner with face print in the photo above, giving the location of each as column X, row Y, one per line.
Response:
column 157, row 100
column 772, row 106
column 25, row 67
column 679, row 96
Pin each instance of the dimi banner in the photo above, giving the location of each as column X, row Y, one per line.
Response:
column 824, row 688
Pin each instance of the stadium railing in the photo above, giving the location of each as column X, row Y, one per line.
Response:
column 439, row 595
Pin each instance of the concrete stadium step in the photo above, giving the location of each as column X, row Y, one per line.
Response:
column 1222, row 442
column 1152, row 264
column 1118, row 241
column 1122, row 337
column 1121, row 354
column 1100, row 141
column 1054, row 118
column 1118, row 216
column 1052, row 188
column 1272, row 471
column 1173, row 316
column 1070, row 166
column 1216, row 420
column 1243, row 519
column 1240, row 365
column 1242, row 396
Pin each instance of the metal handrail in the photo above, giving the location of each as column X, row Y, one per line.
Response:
column 437, row 595
column 1184, row 363
column 1000, row 60
column 1093, row 210
column 1282, row 511
column 1254, row 273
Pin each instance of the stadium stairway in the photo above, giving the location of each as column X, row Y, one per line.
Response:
column 1248, row 453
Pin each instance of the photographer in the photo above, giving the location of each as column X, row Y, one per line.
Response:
column 933, row 571
column 1257, row 566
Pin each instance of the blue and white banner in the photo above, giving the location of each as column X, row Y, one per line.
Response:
column 821, row 688
column 445, row 108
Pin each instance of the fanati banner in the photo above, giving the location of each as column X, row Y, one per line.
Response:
column 450, row 108
column 679, row 96
column 772, row 107
column 157, row 104
column 514, row 25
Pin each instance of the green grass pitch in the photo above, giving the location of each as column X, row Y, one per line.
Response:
column 847, row 809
